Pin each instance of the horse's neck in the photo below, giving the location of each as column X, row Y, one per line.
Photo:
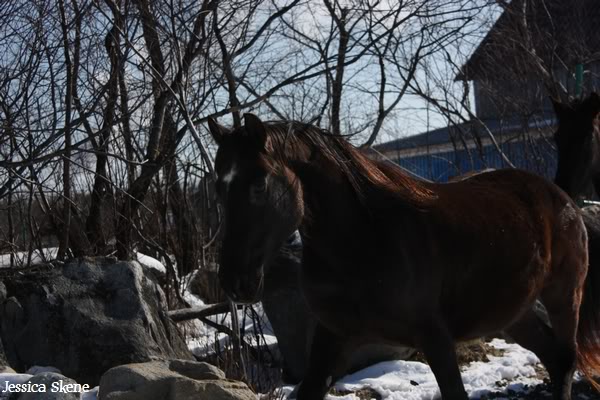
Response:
column 332, row 207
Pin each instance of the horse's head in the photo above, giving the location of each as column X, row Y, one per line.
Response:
column 578, row 144
column 262, row 202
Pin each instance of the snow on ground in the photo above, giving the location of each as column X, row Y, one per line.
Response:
column 91, row 395
column 407, row 380
column 203, row 340
column 152, row 263
column 49, row 253
column 410, row 380
column 393, row 380
column 37, row 257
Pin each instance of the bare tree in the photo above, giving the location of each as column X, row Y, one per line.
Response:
column 104, row 102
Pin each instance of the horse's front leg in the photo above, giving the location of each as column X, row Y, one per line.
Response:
column 326, row 356
column 437, row 344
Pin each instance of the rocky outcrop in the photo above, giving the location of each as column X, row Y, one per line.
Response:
column 174, row 379
column 86, row 317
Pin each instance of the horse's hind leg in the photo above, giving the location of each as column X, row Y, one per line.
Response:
column 561, row 296
column 535, row 335
column 562, row 304
column 439, row 348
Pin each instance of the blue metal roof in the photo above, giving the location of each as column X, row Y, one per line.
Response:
column 502, row 129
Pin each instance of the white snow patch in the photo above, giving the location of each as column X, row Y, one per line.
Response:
column 92, row 394
column 21, row 258
column 49, row 253
column 410, row 380
column 152, row 263
column 203, row 340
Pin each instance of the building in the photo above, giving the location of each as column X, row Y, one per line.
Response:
column 512, row 102
column 444, row 153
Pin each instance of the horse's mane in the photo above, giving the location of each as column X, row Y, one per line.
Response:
column 296, row 140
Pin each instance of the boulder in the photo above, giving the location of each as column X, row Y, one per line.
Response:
column 59, row 392
column 86, row 317
column 8, row 378
column 174, row 379
column 38, row 369
column 293, row 324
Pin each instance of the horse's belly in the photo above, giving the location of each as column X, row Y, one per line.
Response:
column 486, row 310
column 362, row 311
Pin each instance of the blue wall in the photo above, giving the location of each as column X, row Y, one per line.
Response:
column 538, row 156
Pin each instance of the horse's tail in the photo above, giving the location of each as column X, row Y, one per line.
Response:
column 588, row 333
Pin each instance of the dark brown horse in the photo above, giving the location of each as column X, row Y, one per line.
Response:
column 578, row 172
column 388, row 258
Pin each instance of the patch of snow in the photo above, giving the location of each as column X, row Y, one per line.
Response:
column 49, row 253
column 192, row 299
column 411, row 380
column 92, row 394
column 203, row 340
column 37, row 257
column 151, row 262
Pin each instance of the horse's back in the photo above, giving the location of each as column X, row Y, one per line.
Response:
column 508, row 188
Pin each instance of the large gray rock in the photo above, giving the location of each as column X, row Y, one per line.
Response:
column 3, row 361
column 59, row 392
column 173, row 380
column 86, row 317
column 294, row 325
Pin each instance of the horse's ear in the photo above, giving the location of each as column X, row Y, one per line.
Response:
column 594, row 100
column 217, row 130
column 256, row 128
column 590, row 107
